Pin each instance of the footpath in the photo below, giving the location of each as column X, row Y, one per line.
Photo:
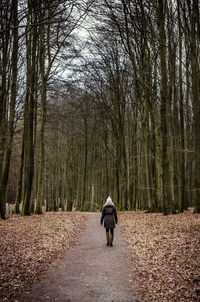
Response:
column 90, row 272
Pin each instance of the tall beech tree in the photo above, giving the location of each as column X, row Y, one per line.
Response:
column 167, row 198
column 193, row 9
column 12, row 102
column 31, row 63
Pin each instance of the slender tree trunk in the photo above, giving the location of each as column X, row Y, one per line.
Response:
column 19, row 186
column 135, row 154
column 188, row 138
column 182, row 205
column 172, row 125
column 167, row 199
column 83, row 198
column 4, row 85
column 196, row 103
column 42, row 129
column 29, row 111
column 6, row 162
column 44, row 77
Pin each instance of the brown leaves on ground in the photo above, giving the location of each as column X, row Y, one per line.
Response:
column 165, row 255
column 29, row 244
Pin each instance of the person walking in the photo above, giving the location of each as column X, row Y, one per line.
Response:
column 109, row 215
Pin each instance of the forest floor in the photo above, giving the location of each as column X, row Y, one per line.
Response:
column 29, row 245
column 57, row 255
column 164, row 252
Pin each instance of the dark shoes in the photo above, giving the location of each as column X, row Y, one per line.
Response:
column 109, row 243
column 109, row 240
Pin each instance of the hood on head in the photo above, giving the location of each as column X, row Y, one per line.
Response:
column 109, row 202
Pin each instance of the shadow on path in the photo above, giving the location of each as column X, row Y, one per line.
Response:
column 91, row 272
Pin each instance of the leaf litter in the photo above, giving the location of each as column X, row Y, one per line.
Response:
column 28, row 245
column 164, row 253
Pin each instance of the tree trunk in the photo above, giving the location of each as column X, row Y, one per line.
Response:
column 42, row 124
column 182, row 205
column 167, row 199
column 6, row 162
column 83, row 198
column 19, row 186
column 196, row 103
column 5, row 16
column 29, row 110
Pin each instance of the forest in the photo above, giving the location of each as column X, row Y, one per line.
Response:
column 99, row 98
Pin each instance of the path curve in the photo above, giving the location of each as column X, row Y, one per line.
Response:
column 91, row 272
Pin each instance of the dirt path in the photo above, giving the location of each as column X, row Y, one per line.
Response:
column 92, row 272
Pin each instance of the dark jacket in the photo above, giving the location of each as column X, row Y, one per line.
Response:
column 109, row 215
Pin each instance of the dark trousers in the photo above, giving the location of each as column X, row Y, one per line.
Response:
column 111, row 230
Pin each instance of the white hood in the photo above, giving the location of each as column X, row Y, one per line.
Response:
column 109, row 202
